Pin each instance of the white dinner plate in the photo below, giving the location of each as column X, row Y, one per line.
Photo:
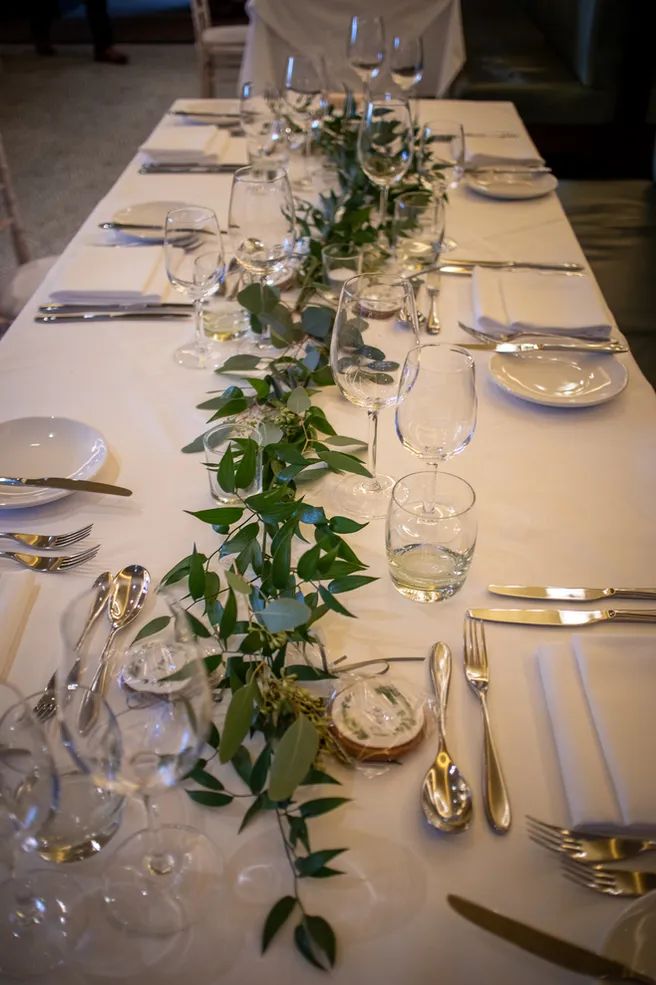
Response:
column 512, row 186
column 151, row 214
column 38, row 447
column 560, row 379
column 633, row 938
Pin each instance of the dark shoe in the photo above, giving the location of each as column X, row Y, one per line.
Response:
column 44, row 48
column 111, row 55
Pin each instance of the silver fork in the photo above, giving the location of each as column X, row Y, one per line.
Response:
column 614, row 882
column 39, row 562
column 583, row 846
column 48, row 541
column 495, row 794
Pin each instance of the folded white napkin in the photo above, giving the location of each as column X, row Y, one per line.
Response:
column 600, row 698
column 525, row 301
column 106, row 275
column 175, row 145
column 17, row 593
column 483, row 152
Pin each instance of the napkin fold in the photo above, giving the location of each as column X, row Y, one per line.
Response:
column 525, row 301
column 483, row 152
column 105, row 275
column 176, row 145
column 599, row 697
column 17, row 593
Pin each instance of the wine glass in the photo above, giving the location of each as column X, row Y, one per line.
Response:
column 436, row 408
column 262, row 224
column 441, row 160
column 375, row 325
column 157, row 881
column 385, row 145
column 407, row 62
column 305, row 100
column 260, row 114
column 195, row 265
column 365, row 48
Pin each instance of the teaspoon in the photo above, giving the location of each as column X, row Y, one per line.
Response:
column 446, row 797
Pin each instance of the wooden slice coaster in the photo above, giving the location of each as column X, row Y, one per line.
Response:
column 374, row 721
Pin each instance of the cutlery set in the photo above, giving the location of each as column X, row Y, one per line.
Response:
column 567, row 617
column 47, row 542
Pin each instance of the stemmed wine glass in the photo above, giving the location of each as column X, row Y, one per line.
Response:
column 157, row 881
column 304, row 85
column 385, row 145
column 375, row 325
column 261, row 118
column 441, row 160
column 365, row 48
column 407, row 62
column 195, row 265
column 262, row 224
column 436, row 409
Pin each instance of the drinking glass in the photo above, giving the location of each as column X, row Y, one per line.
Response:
column 340, row 264
column 365, row 48
column 407, row 62
column 195, row 265
column 375, row 325
column 236, row 437
column 417, row 230
column 385, row 145
column 430, row 535
column 157, row 881
column 262, row 224
column 260, row 114
column 436, row 408
column 305, row 101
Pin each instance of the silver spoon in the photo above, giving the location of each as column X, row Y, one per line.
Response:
column 446, row 797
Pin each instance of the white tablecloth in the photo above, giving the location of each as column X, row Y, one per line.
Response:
column 564, row 497
column 279, row 28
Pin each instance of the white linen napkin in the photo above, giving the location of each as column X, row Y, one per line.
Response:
column 176, row 144
column 525, row 301
column 106, row 275
column 17, row 593
column 599, row 694
column 483, row 152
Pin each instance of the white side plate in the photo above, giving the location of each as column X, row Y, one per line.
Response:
column 512, row 186
column 150, row 213
column 560, row 379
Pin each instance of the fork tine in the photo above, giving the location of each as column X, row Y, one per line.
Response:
column 74, row 537
column 75, row 559
column 552, row 843
column 544, row 825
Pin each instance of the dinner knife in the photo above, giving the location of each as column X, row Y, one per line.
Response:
column 106, row 315
column 79, row 308
column 215, row 115
column 189, row 168
column 546, row 946
column 571, row 594
column 507, row 169
column 566, row 267
column 74, row 485
column 610, row 348
column 563, row 617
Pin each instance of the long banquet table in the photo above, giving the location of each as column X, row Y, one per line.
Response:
column 565, row 496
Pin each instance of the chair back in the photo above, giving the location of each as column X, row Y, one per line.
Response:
column 201, row 18
column 9, row 213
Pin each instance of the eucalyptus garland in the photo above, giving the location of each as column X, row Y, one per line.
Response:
column 281, row 563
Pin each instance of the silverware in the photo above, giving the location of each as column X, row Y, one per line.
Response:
column 465, row 267
column 46, row 706
column 97, row 315
column 159, row 306
column 491, row 133
column 156, row 227
column 52, row 562
column 216, row 115
column 585, row 846
column 607, row 348
column 495, row 794
column 48, row 542
column 571, row 594
column 508, row 169
column 189, row 168
column 614, row 882
column 75, row 485
column 545, row 946
column 563, row 617
column 446, row 797
column 433, row 284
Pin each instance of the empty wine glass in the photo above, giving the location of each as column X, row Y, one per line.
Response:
column 385, row 145
column 365, row 48
column 375, row 325
column 304, row 84
column 157, row 881
column 195, row 265
column 260, row 114
column 436, row 409
column 262, row 224
column 407, row 62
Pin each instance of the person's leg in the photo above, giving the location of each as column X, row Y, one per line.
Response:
column 42, row 13
column 102, row 33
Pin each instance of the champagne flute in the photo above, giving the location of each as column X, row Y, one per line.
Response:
column 262, row 224
column 365, row 48
column 407, row 62
column 304, row 97
column 436, row 408
column 375, row 325
column 195, row 265
column 385, row 145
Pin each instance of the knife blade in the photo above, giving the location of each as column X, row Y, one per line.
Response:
column 610, row 348
column 565, row 267
column 74, row 485
column 71, row 308
column 508, row 169
column 189, row 168
column 563, row 617
column 104, row 315
column 546, row 946
column 560, row 594
column 215, row 115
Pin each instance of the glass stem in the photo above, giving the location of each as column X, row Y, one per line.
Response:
column 306, row 150
column 382, row 205
column 28, row 909
column 158, row 862
column 265, row 336
column 201, row 343
column 372, row 450
column 429, row 507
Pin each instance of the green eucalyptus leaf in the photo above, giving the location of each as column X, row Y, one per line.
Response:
column 218, row 515
column 229, row 617
column 344, row 525
column 196, row 626
column 154, row 626
column 208, row 798
column 196, row 576
column 339, row 462
column 237, row 583
column 317, row 321
column 282, row 614
column 316, row 860
column 270, row 433
column 348, row 583
column 298, row 400
column 341, row 441
column 225, row 473
column 238, row 363
column 277, row 916
column 238, row 720
column 205, row 779
column 292, row 759
column 314, row 808
column 332, row 602
column 194, row 446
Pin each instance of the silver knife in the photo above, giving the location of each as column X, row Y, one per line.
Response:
column 73, row 309
column 508, row 169
column 563, row 617
column 566, row 267
column 556, row 346
column 105, row 315
column 571, row 594
column 542, row 945
column 75, row 485
column 189, row 168
column 216, row 114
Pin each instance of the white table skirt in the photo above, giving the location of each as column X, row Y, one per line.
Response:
column 564, row 497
